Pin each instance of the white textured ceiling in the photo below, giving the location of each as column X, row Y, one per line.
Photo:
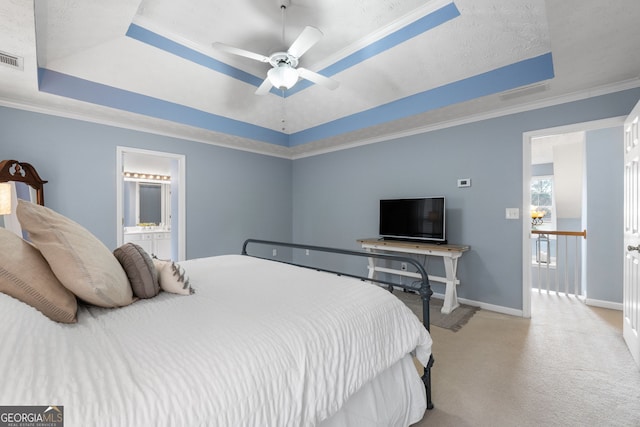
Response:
column 149, row 64
column 542, row 148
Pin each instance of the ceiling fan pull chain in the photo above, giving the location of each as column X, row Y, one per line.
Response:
column 284, row 111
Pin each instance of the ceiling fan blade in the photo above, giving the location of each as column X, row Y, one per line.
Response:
column 307, row 38
column 265, row 87
column 318, row 79
column 241, row 52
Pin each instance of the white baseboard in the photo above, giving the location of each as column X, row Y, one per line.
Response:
column 485, row 306
column 604, row 304
column 518, row 313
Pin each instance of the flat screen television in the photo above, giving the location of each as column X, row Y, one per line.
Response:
column 414, row 219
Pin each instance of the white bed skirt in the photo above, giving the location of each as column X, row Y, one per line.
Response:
column 395, row 398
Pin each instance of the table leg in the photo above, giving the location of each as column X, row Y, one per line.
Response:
column 450, row 293
column 372, row 266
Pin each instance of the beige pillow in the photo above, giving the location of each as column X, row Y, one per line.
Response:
column 25, row 275
column 172, row 277
column 140, row 270
column 81, row 262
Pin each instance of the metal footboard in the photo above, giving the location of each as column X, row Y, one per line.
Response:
column 421, row 286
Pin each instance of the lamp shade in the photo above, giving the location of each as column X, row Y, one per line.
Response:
column 5, row 198
column 283, row 76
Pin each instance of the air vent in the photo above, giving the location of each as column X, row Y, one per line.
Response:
column 524, row 91
column 12, row 61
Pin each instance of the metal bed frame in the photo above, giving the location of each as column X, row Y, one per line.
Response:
column 422, row 286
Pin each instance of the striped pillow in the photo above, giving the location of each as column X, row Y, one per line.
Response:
column 140, row 270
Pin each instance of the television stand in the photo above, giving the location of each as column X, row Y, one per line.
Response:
column 409, row 240
column 448, row 253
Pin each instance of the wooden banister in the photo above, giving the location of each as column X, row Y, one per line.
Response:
column 582, row 233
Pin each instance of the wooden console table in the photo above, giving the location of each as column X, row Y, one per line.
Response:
column 449, row 254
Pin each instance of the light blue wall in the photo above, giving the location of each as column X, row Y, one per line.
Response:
column 231, row 195
column 335, row 195
column 543, row 169
column 329, row 199
column 604, row 218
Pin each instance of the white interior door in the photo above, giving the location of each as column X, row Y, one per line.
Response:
column 631, row 298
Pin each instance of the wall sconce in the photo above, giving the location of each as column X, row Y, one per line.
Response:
column 537, row 217
column 5, row 198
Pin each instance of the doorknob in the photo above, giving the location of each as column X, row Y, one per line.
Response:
column 633, row 248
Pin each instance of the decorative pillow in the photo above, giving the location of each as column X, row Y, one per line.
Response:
column 81, row 262
column 25, row 275
column 140, row 270
column 172, row 277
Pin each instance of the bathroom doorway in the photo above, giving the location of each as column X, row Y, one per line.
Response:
column 150, row 201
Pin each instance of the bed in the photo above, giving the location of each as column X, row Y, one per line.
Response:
column 259, row 343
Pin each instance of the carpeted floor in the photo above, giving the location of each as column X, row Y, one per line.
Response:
column 566, row 366
column 453, row 321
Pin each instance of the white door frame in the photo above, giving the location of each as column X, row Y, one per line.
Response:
column 526, row 192
column 120, row 151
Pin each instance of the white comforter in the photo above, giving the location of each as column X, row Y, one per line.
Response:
column 259, row 344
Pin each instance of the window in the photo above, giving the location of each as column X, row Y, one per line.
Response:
column 543, row 200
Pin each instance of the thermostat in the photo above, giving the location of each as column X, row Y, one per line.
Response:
column 464, row 182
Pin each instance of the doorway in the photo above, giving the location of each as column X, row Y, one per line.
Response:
column 150, row 201
column 529, row 139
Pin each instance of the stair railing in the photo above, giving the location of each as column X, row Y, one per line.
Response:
column 555, row 255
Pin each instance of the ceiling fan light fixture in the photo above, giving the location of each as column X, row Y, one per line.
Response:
column 283, row 76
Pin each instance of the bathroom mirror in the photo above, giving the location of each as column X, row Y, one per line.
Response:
column 150, row 202
column 146, row 203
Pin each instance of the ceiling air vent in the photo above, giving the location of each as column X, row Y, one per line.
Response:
column 524, row 91
column 12, row 61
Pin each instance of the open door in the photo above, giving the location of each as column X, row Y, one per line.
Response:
column 631, row 297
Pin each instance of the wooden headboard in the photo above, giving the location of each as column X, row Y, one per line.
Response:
column 13, row 170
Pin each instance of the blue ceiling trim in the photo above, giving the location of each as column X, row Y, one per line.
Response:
column 427, row 22
column 519, row 74
column 522, row 73
column 84, row 90
column 149, row 37
column 422, row 25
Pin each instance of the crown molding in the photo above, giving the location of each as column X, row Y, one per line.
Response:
column 534, row 105
column 72, row 110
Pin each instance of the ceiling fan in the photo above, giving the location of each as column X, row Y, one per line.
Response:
column 285, row 72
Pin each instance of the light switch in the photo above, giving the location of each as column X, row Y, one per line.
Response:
column 512, row 213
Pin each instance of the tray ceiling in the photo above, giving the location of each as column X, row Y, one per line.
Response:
column 402, row 66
